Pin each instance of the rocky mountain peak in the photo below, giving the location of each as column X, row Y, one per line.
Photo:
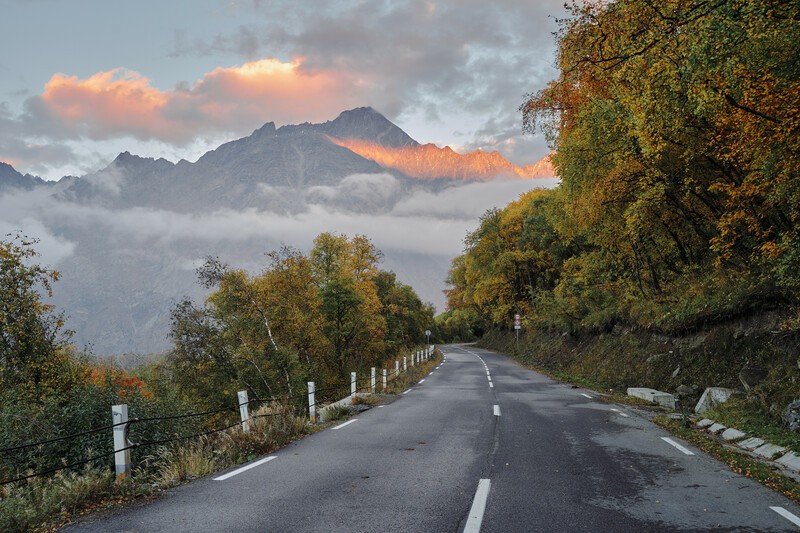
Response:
column 366, row 123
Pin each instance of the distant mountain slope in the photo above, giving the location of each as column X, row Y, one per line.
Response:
column 10, row 178
column 428, row 161
column 127, row 238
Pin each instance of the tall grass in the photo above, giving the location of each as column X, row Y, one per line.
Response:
column 41, row 503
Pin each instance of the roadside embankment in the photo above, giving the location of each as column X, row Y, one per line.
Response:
column 749, row 354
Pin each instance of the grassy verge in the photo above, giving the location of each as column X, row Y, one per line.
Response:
column 737, row 461
column 46, row 503
column 742, row 415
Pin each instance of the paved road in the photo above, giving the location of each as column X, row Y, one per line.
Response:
column 481, row 444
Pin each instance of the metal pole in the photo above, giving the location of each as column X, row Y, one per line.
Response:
column 352, row 383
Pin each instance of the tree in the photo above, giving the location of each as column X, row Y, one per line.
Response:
column 34, row 346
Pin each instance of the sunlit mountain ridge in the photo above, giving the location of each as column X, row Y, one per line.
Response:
column 428, row 161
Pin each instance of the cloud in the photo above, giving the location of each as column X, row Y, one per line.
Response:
column 123, row 103
column 432, row 223
column 466, row 203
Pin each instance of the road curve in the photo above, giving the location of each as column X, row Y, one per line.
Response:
column 482, row 444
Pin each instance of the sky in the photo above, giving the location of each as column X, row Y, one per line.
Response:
column 83, row 80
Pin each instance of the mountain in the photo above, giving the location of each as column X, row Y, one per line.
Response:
column 10, row 178
column 428, row 161
column 127, row 238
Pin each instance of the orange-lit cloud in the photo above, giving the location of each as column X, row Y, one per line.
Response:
column 121, row 102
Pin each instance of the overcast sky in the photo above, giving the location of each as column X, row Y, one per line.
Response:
column 82, row 80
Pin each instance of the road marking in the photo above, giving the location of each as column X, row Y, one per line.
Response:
column 620, row 413
column 491, row 385
column 245, row 468
column 422, row 380
column 787, row 515
column 340, row 426
column 496, row 410
column 381, row 406
column 587, row 396
column 478, row 507
column 489, row 378
column 673, row 443
column 406, row 392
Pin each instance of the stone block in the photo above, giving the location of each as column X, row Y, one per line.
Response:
column 751, row 444
column 790, row 460
column 716, row 428
column 711, row 397
column 663, row 399
column 733, row 434
column 769, row 450
column 704, row 423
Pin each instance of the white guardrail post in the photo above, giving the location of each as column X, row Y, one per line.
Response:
column 122, row 457
column 352, row 383
column 405, row 364
column 372, row 380
column 243, row 410
column 397, row 369
column 412, row 359
column 312, row 403
column 385, row 382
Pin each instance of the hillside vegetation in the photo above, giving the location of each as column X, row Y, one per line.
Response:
column 675, row 127
column 306, row 317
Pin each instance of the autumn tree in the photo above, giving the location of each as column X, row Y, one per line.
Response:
column 35, row 347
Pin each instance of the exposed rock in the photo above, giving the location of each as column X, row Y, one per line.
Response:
column 684, row 390
column 752, row 376
column 791, row 415
column 676, row 372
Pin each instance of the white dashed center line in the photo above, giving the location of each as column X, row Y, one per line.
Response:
column 406, row 392
column 478, row 507
column 620, row 413
column 678, row 446
column 496, row 410
column 587, row 396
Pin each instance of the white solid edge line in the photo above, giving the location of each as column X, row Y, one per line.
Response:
column 587, row 396
column 245, row 468
column 478, row 507
column 496, row 410
column 787, row 515
column 340, row 426
column 678, row 446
